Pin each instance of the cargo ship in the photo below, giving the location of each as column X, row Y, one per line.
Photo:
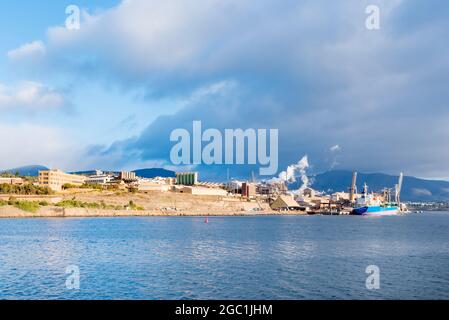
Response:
column 372, row 205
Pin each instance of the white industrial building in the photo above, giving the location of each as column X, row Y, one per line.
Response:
column 100, row 179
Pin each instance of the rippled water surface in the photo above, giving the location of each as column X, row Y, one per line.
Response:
column 305, row 257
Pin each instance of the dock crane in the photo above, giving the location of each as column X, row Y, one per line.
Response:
column 398, row 188
column 352, row 190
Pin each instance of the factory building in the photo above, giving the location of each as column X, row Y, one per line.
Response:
column 150, row 186
column 55, row 179
column 315, row 202
column 170, row 181
column 127, row 176
column 234, row 186
column 201, row 191
column 273, row 188
column 248, row 190
column 187, row 178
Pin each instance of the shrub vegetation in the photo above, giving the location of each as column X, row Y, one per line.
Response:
column 26, row 189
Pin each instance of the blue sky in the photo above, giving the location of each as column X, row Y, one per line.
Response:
column 108, row 95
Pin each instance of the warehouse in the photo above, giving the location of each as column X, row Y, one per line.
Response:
column 285, row 203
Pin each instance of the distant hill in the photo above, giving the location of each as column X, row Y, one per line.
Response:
column 85, row 173
column 414, row 189
column 155, row 172
column 31, row 171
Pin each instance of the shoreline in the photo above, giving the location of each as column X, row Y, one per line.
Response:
column 10, row 212
column 94, row 203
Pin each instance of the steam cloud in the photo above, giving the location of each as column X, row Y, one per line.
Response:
column 334, row 151
column 293, row 171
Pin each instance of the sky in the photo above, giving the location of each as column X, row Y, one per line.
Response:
column 108, row 95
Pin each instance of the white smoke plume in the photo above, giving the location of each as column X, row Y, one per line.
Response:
column 293, row 171
column 334, row 153
column 335, row 148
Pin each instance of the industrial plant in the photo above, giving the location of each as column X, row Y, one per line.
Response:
column 262, row 196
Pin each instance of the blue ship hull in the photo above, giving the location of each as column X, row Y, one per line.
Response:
column 375, row 211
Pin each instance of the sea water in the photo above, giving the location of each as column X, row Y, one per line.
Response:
column 272, row 257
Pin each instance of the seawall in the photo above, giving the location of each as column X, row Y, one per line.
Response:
column 57, row 212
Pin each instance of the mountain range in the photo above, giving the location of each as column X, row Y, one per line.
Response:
column 414, row 189
column 30, row 171
column 155, row 172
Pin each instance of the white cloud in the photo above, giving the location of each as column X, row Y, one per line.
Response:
column 31, row 96
column 220, row 88
column 26, row 144
column 174, row 41
column 335, row 148
column 302, row 66
column 143, row 39
column 34, row 49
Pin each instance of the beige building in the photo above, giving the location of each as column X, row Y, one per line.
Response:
column 15, row 181
column 148, row 186
column 55, row 179
column 127, row 176
column 201, row 191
